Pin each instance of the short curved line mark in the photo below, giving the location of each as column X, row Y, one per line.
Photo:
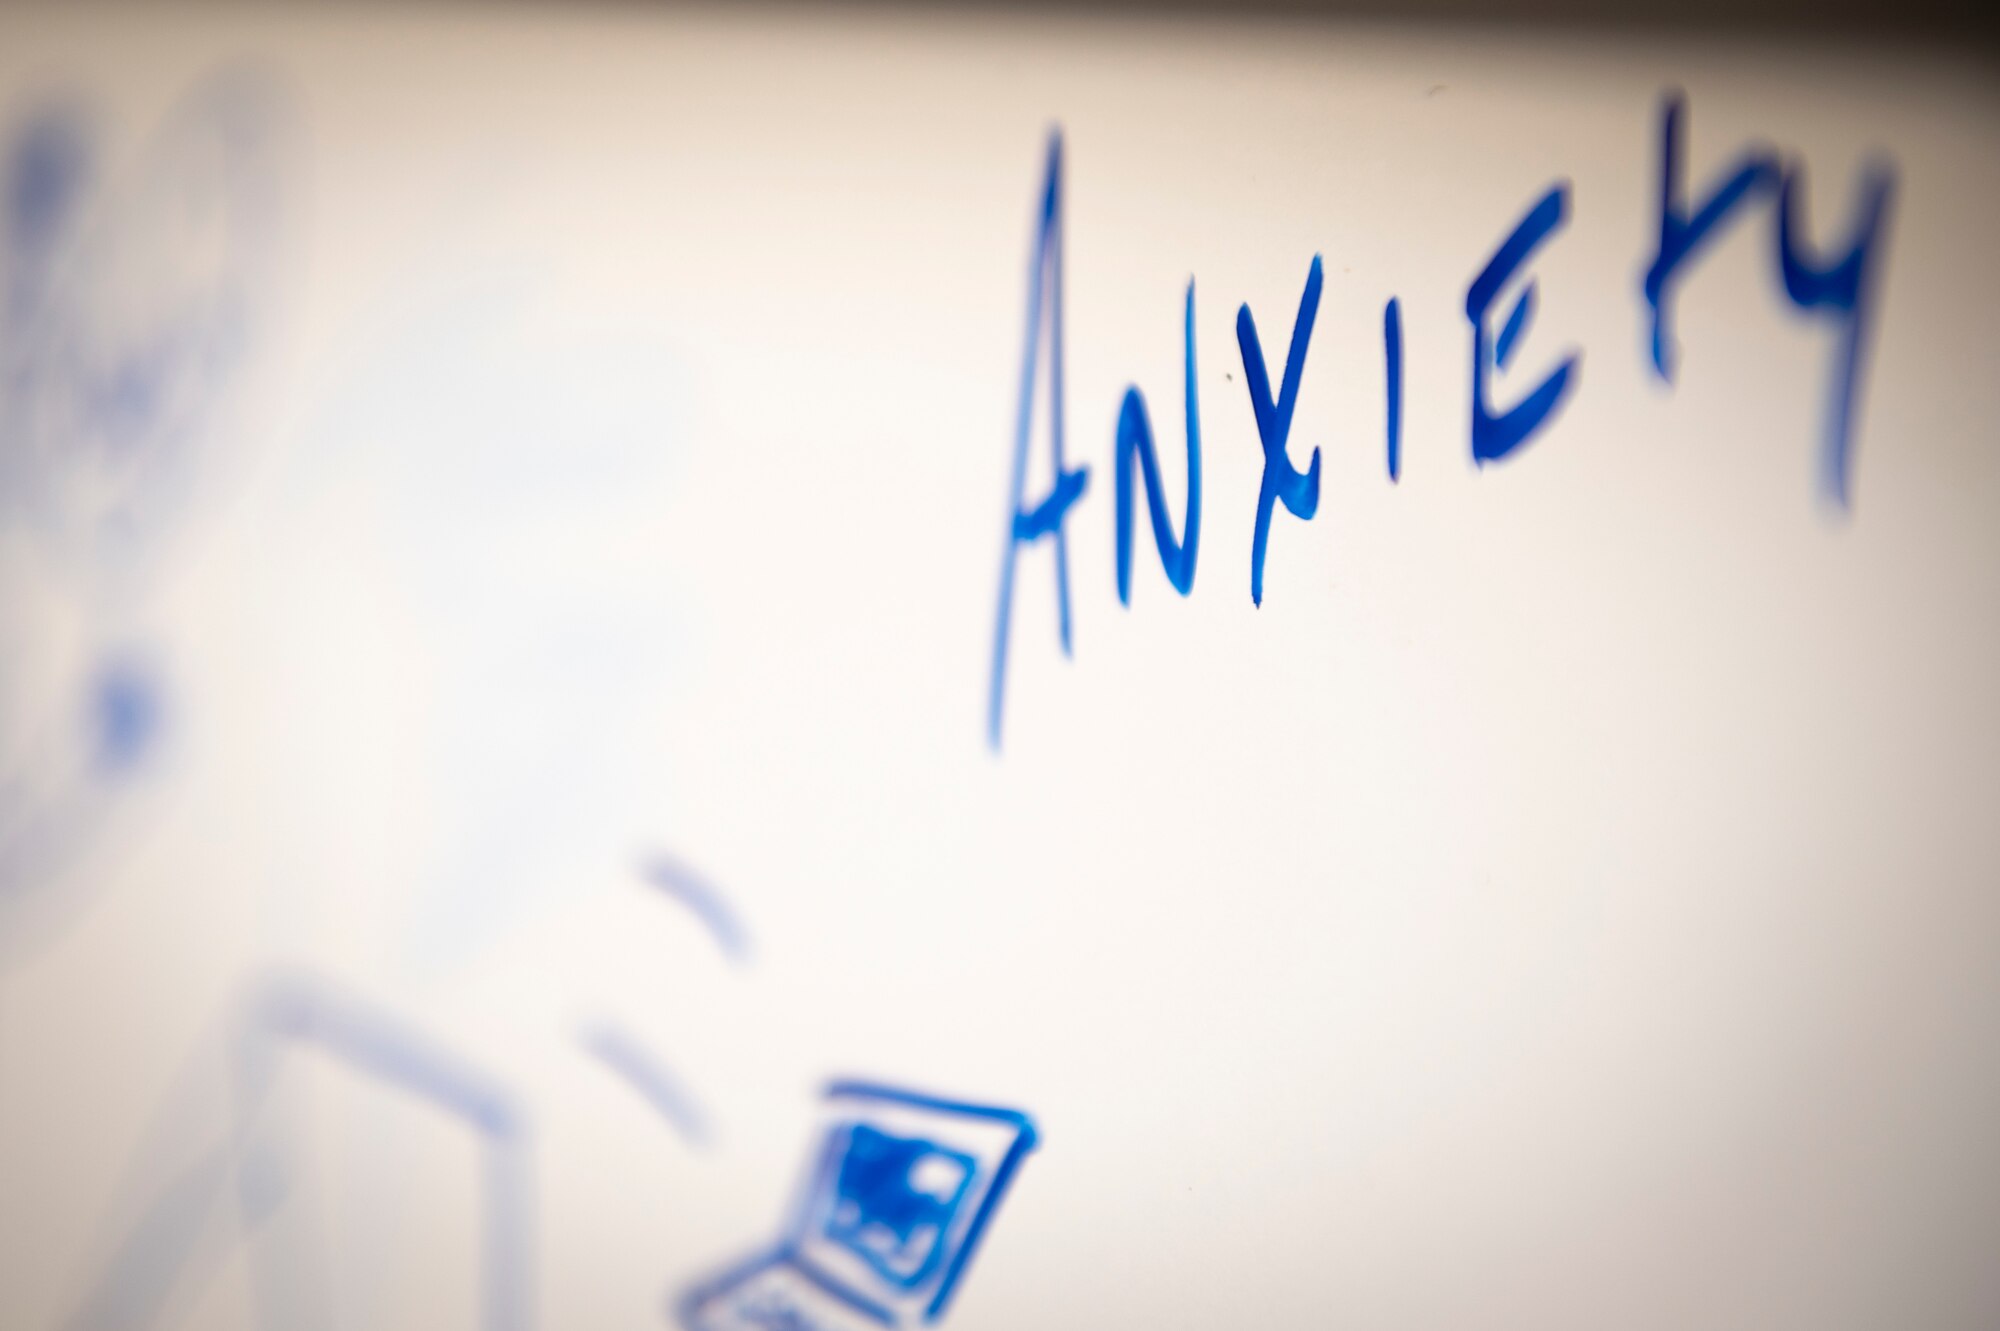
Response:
column 645, row 1074
column 684, row 885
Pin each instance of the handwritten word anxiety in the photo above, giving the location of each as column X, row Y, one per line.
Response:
column 1837, row 286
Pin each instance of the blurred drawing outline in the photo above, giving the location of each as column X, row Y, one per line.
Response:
column 900, row 1194
column 677, row 880
column 182, row 1230
column 130, row 308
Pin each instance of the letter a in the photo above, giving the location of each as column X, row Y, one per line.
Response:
column 1025, row 524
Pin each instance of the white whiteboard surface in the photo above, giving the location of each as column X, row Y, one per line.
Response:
column 505, row 515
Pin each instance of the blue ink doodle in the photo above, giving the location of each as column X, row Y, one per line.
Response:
column 1682, row 236
column 47, row 174
column 1026, row 525
column 128, row 304
column 646, row 1075
column 1135, row 440
column 1845, row 287
column 901, row 1191
column 292, row 1011
column 131, row 308
column 882, row 1216
column 678, row 881
column 1282, row 481
column 1495, row 437
column 75, row 770
column 127, row 706
column 171, row 1243
column 1392, row 355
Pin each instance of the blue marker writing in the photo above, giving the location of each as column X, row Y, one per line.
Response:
column 1682, row 235
column 1838, row 285
column 1494, row 437
column 1844, row 287
column 1299, row 490
column 1046, row 518
column 1392, row 352
column 1135, row 440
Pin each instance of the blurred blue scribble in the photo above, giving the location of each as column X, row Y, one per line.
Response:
column 131, row 303
column 46, row 171
column 647, row 1075
column 184, row 1227
column 676, row 880
column 127, row 707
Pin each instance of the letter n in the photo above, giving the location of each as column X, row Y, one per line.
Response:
column 1135, row 442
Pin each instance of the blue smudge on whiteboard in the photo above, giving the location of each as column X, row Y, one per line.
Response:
column 645, row 1074
column 163, row 1249
column 130, row 305
column 677, row 881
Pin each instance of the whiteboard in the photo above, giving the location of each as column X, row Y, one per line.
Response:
column 522, row 812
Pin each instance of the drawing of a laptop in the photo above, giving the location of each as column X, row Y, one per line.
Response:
column 898, row 1197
